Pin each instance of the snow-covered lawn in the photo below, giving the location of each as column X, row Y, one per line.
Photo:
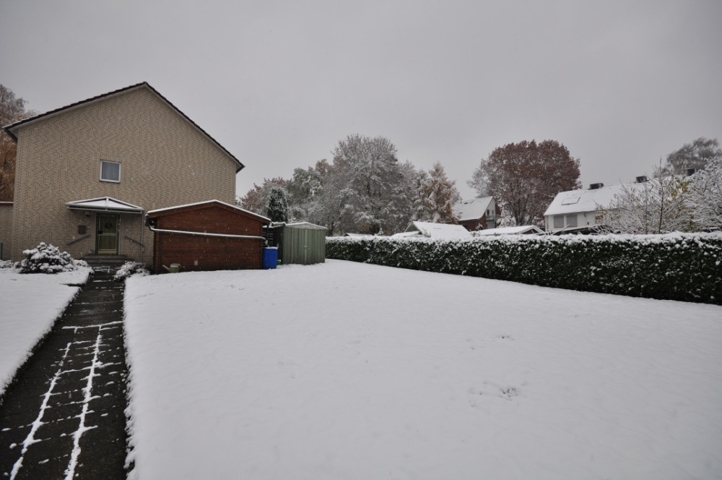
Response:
column 29, row 305
column 346, row 370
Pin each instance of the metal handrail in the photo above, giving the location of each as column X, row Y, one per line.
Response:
column 77, row 240
column 134, row 241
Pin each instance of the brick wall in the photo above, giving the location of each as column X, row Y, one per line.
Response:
column 165, row 161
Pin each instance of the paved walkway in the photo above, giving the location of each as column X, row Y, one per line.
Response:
column 64, row 416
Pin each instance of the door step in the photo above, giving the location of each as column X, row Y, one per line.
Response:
column 105, row 260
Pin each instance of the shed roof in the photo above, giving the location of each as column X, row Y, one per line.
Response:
column 12, row 129
column 306, row 225
column 472, row 209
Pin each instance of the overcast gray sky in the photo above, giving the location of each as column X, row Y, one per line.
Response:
column 279, row 83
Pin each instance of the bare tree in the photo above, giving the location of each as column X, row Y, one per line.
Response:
column 693, row 155
column 525, row 177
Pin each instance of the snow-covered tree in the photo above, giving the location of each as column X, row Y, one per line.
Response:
column 367, row 187
column 704, row 199
column 305, row 193
column 256, row 199
column 437, row 197
column 277, row 207
column 658, row 205
column 695, row 155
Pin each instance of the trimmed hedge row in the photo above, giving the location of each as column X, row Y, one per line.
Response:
column 686, row 267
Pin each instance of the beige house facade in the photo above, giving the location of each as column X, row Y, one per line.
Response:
column 86, row 174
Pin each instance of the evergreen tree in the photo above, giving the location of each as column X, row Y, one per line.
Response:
column 277, row 209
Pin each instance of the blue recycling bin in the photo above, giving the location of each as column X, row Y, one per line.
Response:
column 270, row 257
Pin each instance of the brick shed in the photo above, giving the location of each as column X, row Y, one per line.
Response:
column 204, row 236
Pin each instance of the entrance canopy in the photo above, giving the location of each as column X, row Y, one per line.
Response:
column 104, row 204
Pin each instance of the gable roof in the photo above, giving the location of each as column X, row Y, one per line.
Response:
column 519, row 230
column 472, row 209
column 104, row 204
column 13, row 128
column 579, row 201
column 159, row 212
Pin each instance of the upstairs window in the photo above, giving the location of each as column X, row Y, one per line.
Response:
column 109, row 171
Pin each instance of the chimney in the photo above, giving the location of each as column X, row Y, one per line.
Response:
column 595, row 186
column 641, row 179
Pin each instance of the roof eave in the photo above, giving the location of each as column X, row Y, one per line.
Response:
column 12, row 128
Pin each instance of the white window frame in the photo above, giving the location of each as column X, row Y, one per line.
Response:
column 107, row 179
column 571, row 221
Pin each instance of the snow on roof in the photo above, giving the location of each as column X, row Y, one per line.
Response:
column 472, row 209
column 306, row 225
column 415, row 233
column 508, row 230
column 439, row 231
column 359, row 235
column 106, row 204
column 157, row 210
column 577, row 201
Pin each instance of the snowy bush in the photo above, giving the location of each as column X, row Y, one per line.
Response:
column 47, row 259
column 6, row 264
column 686, row 267
column 130, row 268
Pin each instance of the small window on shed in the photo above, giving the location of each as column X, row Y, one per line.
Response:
column 558, row 221
column 109, row 171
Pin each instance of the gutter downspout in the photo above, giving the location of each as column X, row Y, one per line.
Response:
column 205, row 234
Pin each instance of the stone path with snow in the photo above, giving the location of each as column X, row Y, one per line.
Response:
column 64, row 415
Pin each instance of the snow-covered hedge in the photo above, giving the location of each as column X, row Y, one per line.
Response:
column 685, row 267
column 47, row 259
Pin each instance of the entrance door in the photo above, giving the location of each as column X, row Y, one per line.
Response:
column 107, row 238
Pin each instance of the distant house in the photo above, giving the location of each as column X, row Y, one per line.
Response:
column 521, row 230
column 86, row 174
column 478, row 214
column 435, row 231
column 578, row 209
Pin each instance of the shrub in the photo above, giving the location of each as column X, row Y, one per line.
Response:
column 130, row 268
column 685, row 267
column 47, row 259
